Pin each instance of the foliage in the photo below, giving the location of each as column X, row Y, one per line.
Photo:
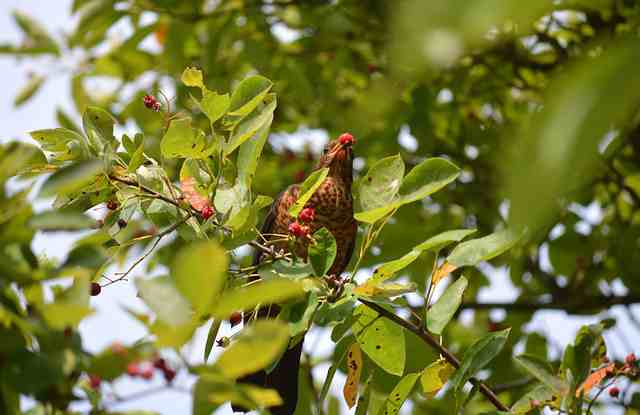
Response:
column 522, row 119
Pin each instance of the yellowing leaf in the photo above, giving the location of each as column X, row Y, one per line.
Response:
column 444, row 270
column 354, row 370
column 384, row 290
column 435, row 376
column 594, row 379
column 192, row 77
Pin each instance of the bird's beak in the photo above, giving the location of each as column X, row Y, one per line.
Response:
column 340, row 151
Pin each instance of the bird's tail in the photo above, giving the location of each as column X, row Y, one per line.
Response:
column 283, row 378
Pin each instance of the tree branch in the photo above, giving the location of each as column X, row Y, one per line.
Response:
column 592, row 304
column 434, row 344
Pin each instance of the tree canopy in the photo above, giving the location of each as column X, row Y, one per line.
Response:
column 487, row 131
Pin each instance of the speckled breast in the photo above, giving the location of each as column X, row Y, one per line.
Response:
column 334, row 210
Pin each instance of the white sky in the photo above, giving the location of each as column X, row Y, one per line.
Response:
column 110, row 323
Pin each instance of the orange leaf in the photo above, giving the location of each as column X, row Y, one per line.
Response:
column 594, row 379
column 354, row 368
column 192, row 195
column 442, row 272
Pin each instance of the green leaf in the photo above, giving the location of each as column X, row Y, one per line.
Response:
column 163, row 298
column 258, row 345
column 381, row 339
column 249, row 154
column 36, row 33
column 399, row 394
column 539, row 369
column 435, row 376
column 262, row 292
column 72, row 178
column 248, row 94
column 183, row 141
column 64, row 144
column 478, row 356
column 98, row 127
column 524, row 405
column 213, row 390
column 56, row 220
column 379, row 187
column 388, row 269
column 442, row 240
column 19, row 158
column 192, row 77
column 307, row 189
column 554, row 154
column 60, row 315
column 383, row 189
column 426, row 178
column 200, row 273
column 474, row 251
column 286, row 269
column 29, row 90
column 258, row 119
column 298, row 315
column 214, row 105
column 322, row 252
column 439, row 315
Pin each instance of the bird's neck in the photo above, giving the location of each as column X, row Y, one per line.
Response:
column 342, row 174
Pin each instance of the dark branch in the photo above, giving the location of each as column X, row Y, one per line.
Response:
column 433, row 343
column 594, row 304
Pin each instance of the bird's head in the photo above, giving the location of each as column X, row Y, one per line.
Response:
column 338, row 157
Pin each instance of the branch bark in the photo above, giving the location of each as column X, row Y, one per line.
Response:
column 434, row 344
column 592, row 304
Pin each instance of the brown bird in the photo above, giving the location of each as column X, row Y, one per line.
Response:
column 331, row 208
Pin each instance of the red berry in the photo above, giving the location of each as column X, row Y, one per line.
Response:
column 94, row 381
column 207, row 212
column 151, row 102
column 630, row 359
column 235, row 318
column 169, row 374
column 95, row 289
column 160, row 363
column 298, row 230
column 112, row 205
column 147, row 373
column 133, row 369
column 347, row 139
column 307, row 215
column 122, row 223
column 614, row 392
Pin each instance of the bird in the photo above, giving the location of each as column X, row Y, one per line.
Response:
column 331, row 207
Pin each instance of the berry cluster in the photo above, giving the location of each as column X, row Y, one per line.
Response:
column 151, row 102
column 145, row 370
column 630, row 370
column 347, row 139
column 301, row 228
column 207, row 212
